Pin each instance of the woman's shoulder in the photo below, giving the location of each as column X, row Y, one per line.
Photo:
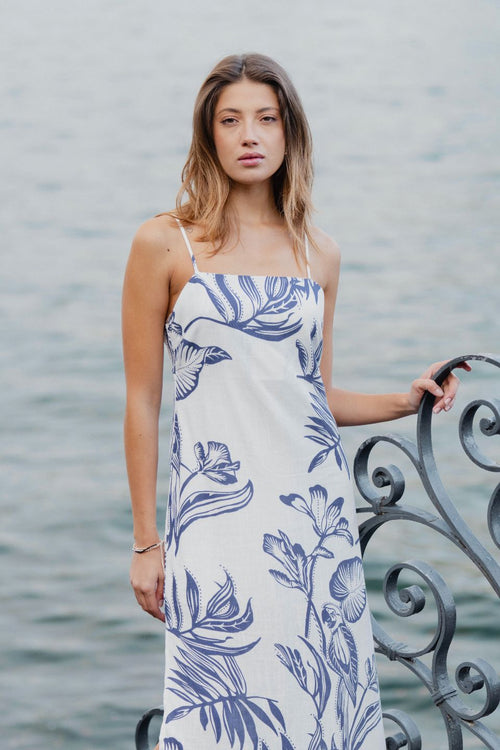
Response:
column 325, row 244
column 158, row 242
column 154, row 233
column 159, row 256
column 326, row 261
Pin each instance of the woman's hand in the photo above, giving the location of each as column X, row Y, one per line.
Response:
column 445, row 394
column 147, row 578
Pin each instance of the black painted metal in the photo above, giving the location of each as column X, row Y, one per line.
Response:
column 383, row 490
column 142, row 729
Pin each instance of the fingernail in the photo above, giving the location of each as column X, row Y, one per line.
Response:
column 436, row 409
column 447, row 407
column 447, row 400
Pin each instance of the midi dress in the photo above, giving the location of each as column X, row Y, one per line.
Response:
column 268, row 638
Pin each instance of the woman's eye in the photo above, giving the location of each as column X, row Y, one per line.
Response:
column 269, row 118
column 228, row 121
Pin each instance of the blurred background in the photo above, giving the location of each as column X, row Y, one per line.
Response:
column 95, row 119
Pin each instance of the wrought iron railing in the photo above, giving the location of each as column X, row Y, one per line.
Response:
column 383, row 489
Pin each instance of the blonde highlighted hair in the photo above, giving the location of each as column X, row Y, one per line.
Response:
column 205, row 184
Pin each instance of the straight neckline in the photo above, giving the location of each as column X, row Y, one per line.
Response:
column 197, row 273
column 255, row 276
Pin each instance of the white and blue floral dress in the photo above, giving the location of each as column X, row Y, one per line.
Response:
column 268, row 637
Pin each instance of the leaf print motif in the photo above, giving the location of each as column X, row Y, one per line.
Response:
column 270, row 312
column 292, row 660
column 322, row 682
column 317, row 741
column 318, row 684
column 206, row 504
column 286, row 744
column 325, row 432
column 293, row 559
column 207, row 677
column 188, row 359
column 169, row 743
column 371, row 674
column 322, row 426
column 369, row 721
column 309, row 362
column 348, row 587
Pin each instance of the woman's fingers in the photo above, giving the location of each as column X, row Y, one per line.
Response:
column 445, row 394
column 147, row 579
column 150, row 602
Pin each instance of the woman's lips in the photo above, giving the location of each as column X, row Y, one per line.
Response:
column 251, row 159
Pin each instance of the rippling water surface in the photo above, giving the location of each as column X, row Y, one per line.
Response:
column 95, row 123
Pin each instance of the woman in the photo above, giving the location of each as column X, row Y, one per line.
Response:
column 268, row 640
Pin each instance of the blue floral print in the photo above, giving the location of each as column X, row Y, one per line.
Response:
column 188, row 359
column 169, row 743
column 208, row 679
column 299, row 566
column 336, row 651
column 322, row 426
column 269, row 313
column 215, row 464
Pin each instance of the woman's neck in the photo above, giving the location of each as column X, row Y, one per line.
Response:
column 253, row 205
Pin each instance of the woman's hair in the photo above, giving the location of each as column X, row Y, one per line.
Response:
column 205, row 183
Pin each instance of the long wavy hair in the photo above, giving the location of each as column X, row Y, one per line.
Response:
column 205, row 184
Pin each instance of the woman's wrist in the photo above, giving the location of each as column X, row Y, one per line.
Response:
column 147, row 548
column 146, row 537
column 404, row 405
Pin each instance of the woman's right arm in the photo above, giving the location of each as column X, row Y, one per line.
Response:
column 144, row 310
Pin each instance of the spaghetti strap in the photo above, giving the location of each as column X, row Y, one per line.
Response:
column 306, row 243
column 188, row 245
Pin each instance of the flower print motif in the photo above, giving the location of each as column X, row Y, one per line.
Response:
column 188, row 359
column 216, row 463
column 185, row 508
column 222, row 614
column 269, row 310
column 342, row 655
column 293, row 558
column 347, row 586
column 324, row 515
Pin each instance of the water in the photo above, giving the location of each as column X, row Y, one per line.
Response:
column 95, row 122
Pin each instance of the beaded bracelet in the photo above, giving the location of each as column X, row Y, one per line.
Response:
column 140, row 550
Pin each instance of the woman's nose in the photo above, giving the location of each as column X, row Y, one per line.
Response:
column 248, row 136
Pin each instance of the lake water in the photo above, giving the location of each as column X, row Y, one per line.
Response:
column 96, row 102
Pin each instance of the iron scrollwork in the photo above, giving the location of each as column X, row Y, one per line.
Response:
column 383, row 490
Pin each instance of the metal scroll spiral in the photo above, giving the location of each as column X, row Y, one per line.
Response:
column 383, row 491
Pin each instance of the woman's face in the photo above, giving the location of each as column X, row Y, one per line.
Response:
column 248, row 132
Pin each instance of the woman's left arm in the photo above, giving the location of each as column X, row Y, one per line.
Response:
column 350, row 408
